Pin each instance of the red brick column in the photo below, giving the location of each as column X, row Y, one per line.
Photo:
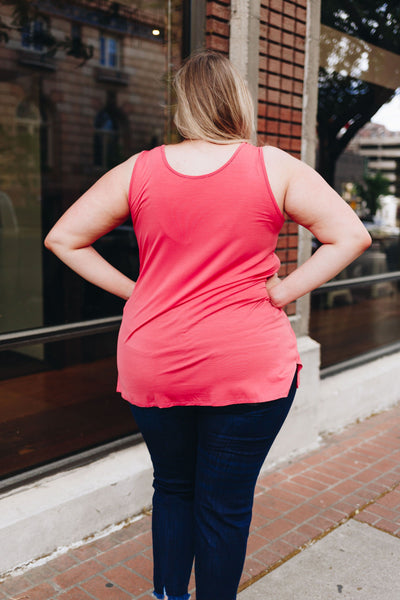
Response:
column 281, row 74
column 218, row 25
column 282, row 44
column 280, row 99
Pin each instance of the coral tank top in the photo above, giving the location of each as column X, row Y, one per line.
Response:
column 199, row 328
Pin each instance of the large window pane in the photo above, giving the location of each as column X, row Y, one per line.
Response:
column 49, row 412
column 351, row 321
column 359, row 155
column 83, row 86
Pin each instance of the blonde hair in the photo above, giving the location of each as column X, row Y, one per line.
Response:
column 214, row 102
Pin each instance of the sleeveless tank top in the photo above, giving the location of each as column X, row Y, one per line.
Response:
column 199, row 328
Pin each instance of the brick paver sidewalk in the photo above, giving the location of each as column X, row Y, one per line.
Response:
column 355, row 474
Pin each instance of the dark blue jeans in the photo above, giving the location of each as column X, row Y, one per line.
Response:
column 206, row 462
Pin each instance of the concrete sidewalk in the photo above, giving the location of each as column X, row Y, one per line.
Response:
column 353, row 561
column 325, row 526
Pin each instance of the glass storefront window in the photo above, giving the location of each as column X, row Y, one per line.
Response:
column 106, row 139
column 355, row 317
column 358, row 154
column 83, row 86
column 50, row 411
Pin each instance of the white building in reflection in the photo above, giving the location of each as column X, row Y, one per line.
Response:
column 387, row 215
column 381, row 149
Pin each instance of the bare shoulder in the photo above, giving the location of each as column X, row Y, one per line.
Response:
column 111, row 191
column 280, row 167
column 119, row 177
column 279, row 159
column 124, row 170
column 298, row 180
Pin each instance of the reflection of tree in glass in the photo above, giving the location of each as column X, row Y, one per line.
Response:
column 25, row 15
column 373, row 187
column 345, row 102
column 344, row 106
column 374, row 21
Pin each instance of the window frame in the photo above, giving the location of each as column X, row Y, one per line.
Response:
column 104, row 49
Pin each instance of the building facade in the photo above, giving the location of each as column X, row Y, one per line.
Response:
column 380, row 148
column 83, row 85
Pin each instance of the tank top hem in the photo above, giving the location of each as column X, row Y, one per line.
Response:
column 165, row 401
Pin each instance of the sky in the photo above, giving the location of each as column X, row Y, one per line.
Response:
column 389, row 114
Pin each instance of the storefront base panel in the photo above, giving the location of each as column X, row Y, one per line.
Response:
column 357, row 393
column 50, row 515
column 45, row 517
column 299, row 433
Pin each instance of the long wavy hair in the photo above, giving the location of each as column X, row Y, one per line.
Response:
column 213, row 100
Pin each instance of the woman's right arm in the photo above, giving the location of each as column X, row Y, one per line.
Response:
column 101, row 209
column 311, row 202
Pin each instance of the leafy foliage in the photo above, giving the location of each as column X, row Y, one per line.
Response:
column 373, row 187
column 374, row 21
column 347, row 102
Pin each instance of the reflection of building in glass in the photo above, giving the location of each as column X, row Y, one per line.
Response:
column 359, row 72
column 381, row 150
column 64, row 121
column 350, row 166
column 387, row 214
column 83, row 86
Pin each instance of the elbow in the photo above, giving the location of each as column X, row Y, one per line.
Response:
column 54, row 242
column 50, row 242
column 47, row 242
column 360, row 241
column 61, row 243
column 354, row 241
column 365, row 240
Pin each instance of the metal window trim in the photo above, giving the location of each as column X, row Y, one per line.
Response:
column 357, row 281
column 79, row 459
column 57, row 333
column 66, row 331
column 359, row 360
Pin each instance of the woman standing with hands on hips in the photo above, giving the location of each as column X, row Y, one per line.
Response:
column 206, row 356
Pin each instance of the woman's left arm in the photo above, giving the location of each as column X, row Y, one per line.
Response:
column 311, row 202
column 100, row 210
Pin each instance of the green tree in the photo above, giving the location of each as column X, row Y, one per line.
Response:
column 347, row 102
column 374, row 186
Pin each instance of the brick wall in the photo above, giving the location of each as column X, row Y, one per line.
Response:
column 280, row 100
column 282, row 43
column 281, row 74
column 218, row 17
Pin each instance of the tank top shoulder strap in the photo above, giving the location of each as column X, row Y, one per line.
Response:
column 263, row 169
column 140, row 171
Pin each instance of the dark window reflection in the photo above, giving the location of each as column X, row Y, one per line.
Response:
column 32, row 34
column 359, row 73
column 83, row 86
column 109, row 51
column 50, row 413
column 106, row 140
column 352, row 321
